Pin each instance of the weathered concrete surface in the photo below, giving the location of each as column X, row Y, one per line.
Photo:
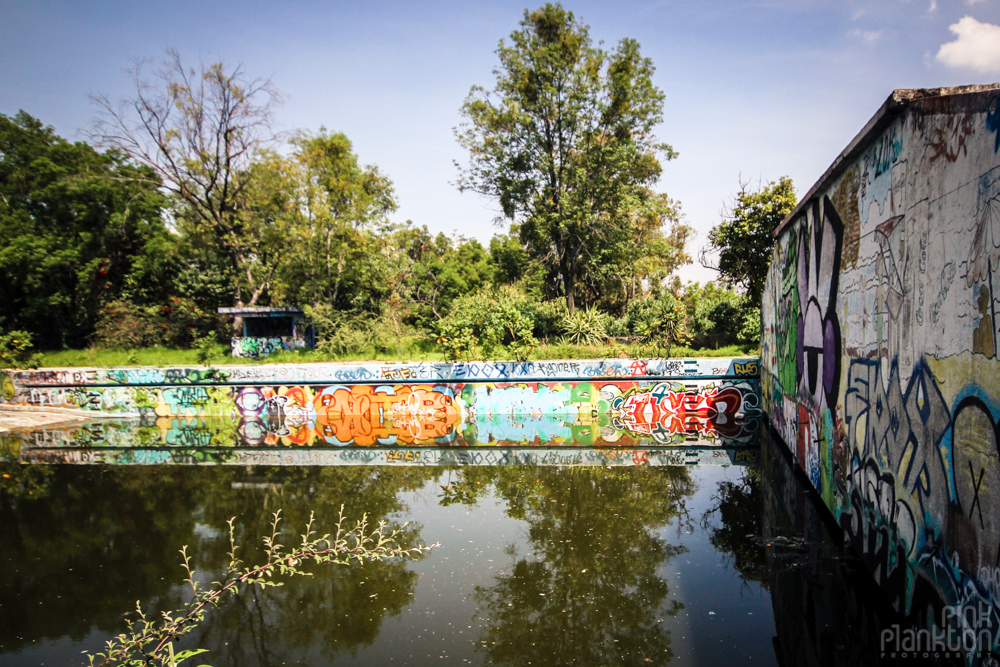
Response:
column 879, row 348
column 15, row 418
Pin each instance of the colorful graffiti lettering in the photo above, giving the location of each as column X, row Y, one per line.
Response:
column 258, row 348
column 880, row 371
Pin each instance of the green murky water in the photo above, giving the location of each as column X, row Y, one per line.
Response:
column 537, row 565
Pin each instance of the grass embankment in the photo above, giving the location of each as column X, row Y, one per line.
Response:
column 218, row 355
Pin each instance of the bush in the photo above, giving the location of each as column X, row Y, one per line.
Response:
column 546, row 316
column 15, row 350
column 586, row 327
column 352, row 334
column 660, row 323
column 123, row 324
column 749, row 332
column 490, row 322
column 618, row 327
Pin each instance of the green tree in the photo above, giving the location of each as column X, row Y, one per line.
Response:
column 713, row 312
column 342, row 254
column 743, row 239
column 77, row 229
column 565, row 142
column 443, row 270
column 639, row 257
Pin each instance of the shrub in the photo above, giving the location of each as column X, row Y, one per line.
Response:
column 546, row 316
column 749, row 332
column 586, row 327
column 179, row 323
column 490, row 321
column 352, row 334
column 15, row 350
column 660, row 323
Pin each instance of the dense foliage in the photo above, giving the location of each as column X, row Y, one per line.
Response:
column 76, row 231
column 196, row 203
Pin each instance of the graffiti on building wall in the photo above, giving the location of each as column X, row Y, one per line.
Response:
column 259, row 347
column 879, row 356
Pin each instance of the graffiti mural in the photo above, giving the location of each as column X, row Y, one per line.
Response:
column 879, row 351
column 259, row 347
column 380, row 372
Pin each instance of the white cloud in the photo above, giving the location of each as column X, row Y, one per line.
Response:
column 869, row 36
column 933, row 7
column 977, row 46
column 972, row 2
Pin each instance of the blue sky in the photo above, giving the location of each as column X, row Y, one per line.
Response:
column 754, row 90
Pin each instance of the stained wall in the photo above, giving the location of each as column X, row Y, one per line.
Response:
column 880, row 342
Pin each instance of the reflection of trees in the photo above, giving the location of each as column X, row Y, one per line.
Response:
column 79, row 555
column 76, row 559
column 739, row 507
column 339, row 608
column 589, row 593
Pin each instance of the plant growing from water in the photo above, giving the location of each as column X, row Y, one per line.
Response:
column 149, row 640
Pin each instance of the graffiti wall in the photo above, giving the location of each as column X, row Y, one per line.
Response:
column 608, row 413
column 386, row 373
column 879, row 347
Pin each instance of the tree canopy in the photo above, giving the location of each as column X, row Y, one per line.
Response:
column 564, row 142
column 743, row 239
column 199, row 132
column 77, row 229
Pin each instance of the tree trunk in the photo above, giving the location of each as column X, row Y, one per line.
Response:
column 568, row 269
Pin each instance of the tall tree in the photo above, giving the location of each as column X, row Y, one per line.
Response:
column 743, row 239
column 565, row 141
column 78, row 229
column 198, row 130
column 339, row 247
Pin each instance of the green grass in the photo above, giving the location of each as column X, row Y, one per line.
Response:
column 219, row 355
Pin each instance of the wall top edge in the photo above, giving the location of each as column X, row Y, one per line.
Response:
column 394, row 372
column 897, row 102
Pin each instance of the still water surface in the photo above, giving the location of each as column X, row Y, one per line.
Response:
column 537, row 565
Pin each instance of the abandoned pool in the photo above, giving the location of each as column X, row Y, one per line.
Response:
column 632, row 515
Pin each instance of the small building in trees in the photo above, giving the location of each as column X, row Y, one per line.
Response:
column 269, row 329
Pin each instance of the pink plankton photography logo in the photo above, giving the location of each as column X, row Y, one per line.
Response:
column 964, row 631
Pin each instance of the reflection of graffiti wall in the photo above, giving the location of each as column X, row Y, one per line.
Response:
column 500, row 456
column 879, row 349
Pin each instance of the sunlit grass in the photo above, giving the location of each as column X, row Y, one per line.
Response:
column 220, row 354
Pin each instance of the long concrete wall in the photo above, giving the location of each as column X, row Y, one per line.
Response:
column 632, row 402
column 879, row 348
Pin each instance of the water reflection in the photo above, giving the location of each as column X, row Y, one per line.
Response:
column 828, row 610
column 634, row 561
column 587, row 590
column 599, row 430
column 79, row 549
column 204, row 441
